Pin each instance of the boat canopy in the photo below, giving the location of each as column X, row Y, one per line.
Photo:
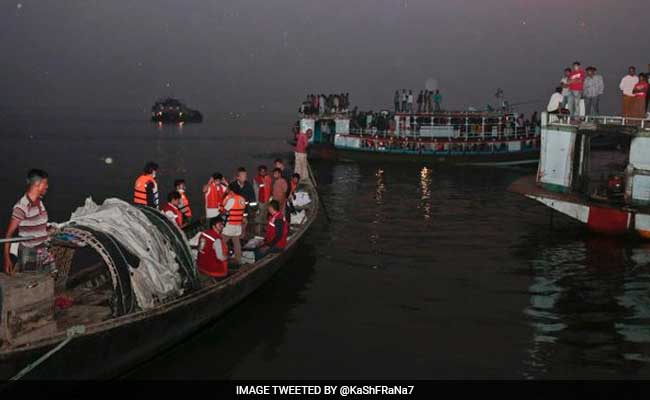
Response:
column 158, row 275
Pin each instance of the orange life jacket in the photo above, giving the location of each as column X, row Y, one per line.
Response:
column 140, row 193
column 236, row 213
column 214, row 195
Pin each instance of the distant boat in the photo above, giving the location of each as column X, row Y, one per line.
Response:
column 173, row 111
column 456, row 137
column 607, row 189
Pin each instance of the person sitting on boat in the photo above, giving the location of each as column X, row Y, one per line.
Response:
column 277, row 231
column 234, row 207
column 172, row 209
column 212, row 259
column 146, row 187
column 214, row 192
column 555, row 103
column 29, row 218
column 184, row 204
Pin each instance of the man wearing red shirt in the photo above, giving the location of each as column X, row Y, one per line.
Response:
column 263, row 186
column 576, row 86
column 301, row 153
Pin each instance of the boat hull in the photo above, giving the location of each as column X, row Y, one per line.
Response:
column 111, row 348
column 600, row 218
column 109, row 353
column 496, row 158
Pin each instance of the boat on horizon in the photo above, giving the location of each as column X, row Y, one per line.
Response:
column 121, row 315
column 173, row 111
column 607, row 189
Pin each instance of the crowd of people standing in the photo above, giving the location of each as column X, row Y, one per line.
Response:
column 587, row 85
column 320, row 104
column 427, row 101
column 234, row 210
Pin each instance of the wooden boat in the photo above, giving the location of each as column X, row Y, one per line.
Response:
column 456, row 137
column 608, row 190
column 110, row 345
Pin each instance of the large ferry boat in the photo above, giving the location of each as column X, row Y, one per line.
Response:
column 471, row 137
column 608, row 189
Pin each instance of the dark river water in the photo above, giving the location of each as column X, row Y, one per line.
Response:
column 420, row 271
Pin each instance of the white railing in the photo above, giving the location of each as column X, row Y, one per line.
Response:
column 567, row 120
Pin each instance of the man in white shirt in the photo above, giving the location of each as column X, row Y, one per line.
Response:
column 556, row 101
column 627, row 86
column 594, row 88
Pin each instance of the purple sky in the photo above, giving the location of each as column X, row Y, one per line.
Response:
column 234, row 55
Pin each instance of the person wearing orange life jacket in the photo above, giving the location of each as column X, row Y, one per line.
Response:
column 171, row 209
column 234, row 207
column 214, row 192
column 184, row 204
column 277, row 230
column 212, row 259
column 146, row 187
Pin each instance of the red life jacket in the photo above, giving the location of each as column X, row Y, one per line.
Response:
column 185, row 208
column 178, row 215
column 264, row 184
column 270, row 230
column 214, row 195
column 236, row 213
column 140, row 190
column 207, row 260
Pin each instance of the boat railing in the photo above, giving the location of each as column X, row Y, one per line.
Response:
column 610, row 120
column 455, row 131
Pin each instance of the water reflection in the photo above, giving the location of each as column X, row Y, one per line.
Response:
column 589, row 306
column 425, row 193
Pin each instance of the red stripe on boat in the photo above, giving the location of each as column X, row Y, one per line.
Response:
column 607, row 220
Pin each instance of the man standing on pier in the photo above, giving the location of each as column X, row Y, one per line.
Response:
column 594, row 88
column 627, row 87
column 29, row 218
column 576, row 86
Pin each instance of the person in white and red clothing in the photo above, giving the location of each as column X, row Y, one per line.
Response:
column 212, row 259
column 29, row 218
column 277, row 231
column 576, row 87
column 172, row 209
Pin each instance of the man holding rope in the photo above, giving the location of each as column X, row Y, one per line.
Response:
column 29, row 218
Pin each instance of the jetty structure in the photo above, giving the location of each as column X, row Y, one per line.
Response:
column 126, row 288
column 606, row 189
column 470, row 137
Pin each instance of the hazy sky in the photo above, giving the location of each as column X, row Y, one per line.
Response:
column 225, row 55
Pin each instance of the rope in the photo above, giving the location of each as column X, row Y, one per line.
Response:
column 71, row 333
